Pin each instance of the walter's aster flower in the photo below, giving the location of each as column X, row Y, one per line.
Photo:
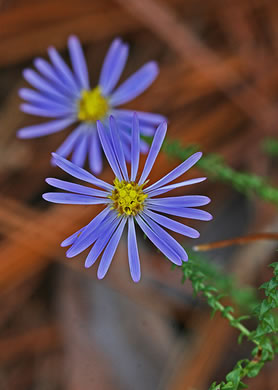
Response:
column 68, row 97
column 129, row 199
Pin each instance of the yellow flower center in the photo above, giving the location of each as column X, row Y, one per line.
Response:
column 128, row 197
column 92, row 105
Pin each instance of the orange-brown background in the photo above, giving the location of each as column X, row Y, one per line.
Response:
column 61, row 328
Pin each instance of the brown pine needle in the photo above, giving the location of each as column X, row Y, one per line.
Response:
column 236, row 241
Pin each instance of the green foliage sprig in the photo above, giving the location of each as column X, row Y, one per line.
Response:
column 213, row 284
column 264, row 336
column 244, row 297
column 216, row 168
column 192, row 271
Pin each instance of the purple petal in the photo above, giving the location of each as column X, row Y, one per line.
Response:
column 108, row 62
column 80, row 151
column 34, row 97
column 135, row 85
column 44, row 128
column 126, row 126
column 118, row 149
column 183, row 212
column 70, row 240
column 147, row 131
column 145, row 118
column 80, row 173
column 101, row 243
column 63, row 69
column 178, row 171
column 47, row 71
column 113, row 66
column 95, row 229
column 162, row 190
column 78, row 62
column 154, row 150
column 133, row 255
column 67, row 146
column 144, row 147
column 181, row 201
column 65, row 198
column 135, row 147
column 166, row 238
column 108, row 150
column 73, row 187
column 169, row 223
column 125, row 135
column 127, row 149
column 158, row 242
column 95, row 156
column 126, row 139
column 48, row 111
column 110, row 250
column 41, row 84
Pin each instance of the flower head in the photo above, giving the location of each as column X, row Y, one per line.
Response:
column 127, row 200
column 67, row 97
column 127, row 197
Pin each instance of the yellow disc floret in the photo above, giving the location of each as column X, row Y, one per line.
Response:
column 128, row 197
column 92, row 105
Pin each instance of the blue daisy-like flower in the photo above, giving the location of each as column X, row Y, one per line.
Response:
column 66, row 95
column 127, row 200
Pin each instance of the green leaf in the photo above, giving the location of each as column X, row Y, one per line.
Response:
column 269, row 319
column 228, row 386
column 267, row 350
column 264, row 308
column 242, row 318
column 227, row 310
column 254, row 369
column 234, row 376
column 214, row 386
column 271, row 284
column 242, row 386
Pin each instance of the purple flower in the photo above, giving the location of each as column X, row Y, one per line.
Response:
column 129, row 199
column 67, row 98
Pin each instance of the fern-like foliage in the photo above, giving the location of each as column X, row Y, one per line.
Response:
column 244, row 297
column 214, row 284
column 264, row 337
column 215, row 167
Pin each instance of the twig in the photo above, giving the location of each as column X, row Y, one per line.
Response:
column 236, row 241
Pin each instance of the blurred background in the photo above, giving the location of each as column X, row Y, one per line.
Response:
column 61, row 328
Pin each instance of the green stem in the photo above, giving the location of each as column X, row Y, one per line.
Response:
column 233, row 321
